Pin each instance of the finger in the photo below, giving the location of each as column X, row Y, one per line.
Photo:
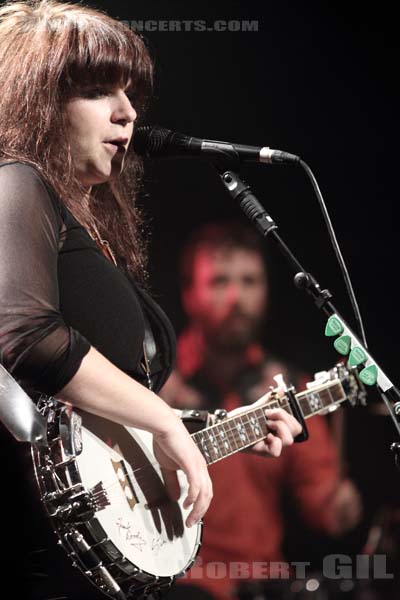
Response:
column 278, row 414
column 201, row 502
column 282, row 431
column 274, row 445
column 260, row 448
column 171, row 483
column 199, row 508
column 193, row 492
column 197, row 476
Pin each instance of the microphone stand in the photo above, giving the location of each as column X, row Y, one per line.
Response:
column 346, row 342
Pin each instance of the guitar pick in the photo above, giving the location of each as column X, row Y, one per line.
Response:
column 369, row 375
column 342, row 344
column 333, row 326
column 357, row 356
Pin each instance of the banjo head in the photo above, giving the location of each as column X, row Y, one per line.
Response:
column 104, row 492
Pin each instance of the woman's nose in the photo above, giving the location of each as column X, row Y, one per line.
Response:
column 124, row 110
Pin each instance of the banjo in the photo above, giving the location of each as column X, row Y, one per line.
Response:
column 103, row 490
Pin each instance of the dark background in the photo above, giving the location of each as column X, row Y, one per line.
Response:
column 320, row 80
column 314, row 80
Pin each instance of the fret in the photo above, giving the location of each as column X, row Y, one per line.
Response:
column 262, row 421
column 253, row 421
column 273, row 404
column 304, row 405
column 226, row 438
column 218, row 449
column 248, row 430
column 250, row 425
column 236, row 433
column 231, row 433
column 341, row 394
column 326, row 398
column 286, row 406
column 241, row 430
column 315, row 401
column 223, row 438
column 201, row 441
column 330, row 396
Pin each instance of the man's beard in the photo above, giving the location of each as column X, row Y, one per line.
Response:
column 230, row 339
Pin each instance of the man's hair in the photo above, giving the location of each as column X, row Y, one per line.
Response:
column 51, row 52
column 211, row 237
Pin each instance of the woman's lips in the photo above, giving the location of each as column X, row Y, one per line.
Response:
column 114, row 148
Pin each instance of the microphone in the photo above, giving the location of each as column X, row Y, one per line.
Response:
column 156, row 142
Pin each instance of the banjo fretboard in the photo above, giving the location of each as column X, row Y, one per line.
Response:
column 238, row 432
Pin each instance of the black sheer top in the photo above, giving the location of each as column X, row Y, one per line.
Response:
column 59, row 294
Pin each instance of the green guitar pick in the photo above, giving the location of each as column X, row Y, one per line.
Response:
column 342, row 344
column 333, row 326
column 357, row 356
column 369, row 375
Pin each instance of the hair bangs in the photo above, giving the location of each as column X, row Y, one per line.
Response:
column 107, row 57
column 51, row 52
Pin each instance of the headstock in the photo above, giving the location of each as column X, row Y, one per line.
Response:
column 348, row 376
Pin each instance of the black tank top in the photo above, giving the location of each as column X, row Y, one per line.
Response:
column 59, row 294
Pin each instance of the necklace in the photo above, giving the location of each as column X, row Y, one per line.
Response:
column 104, row 245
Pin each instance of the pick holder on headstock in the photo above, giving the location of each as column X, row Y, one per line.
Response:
column 347, row 343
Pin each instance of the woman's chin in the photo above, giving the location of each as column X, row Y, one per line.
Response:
column 103, row 175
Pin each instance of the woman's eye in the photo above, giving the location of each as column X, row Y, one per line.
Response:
column 97, row 92
column 102, row 91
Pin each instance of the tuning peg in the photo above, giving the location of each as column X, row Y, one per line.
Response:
column 220, row 414
column 319, row 378
column 280, row 382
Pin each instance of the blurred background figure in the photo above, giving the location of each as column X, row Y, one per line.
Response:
column 221, row 363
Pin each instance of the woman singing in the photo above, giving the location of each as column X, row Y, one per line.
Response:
column 75, row 321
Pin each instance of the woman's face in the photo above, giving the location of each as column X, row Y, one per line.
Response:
column 100, row 127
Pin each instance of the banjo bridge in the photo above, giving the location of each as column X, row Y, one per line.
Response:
column 125, row 482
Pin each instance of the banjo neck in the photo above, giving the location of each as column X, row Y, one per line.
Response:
column 235, row 433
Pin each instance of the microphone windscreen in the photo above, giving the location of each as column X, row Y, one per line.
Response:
column 150, row 141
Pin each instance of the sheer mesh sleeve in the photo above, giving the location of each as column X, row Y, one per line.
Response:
column 36, row 346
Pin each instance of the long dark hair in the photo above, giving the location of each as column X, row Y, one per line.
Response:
column 50, row 52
